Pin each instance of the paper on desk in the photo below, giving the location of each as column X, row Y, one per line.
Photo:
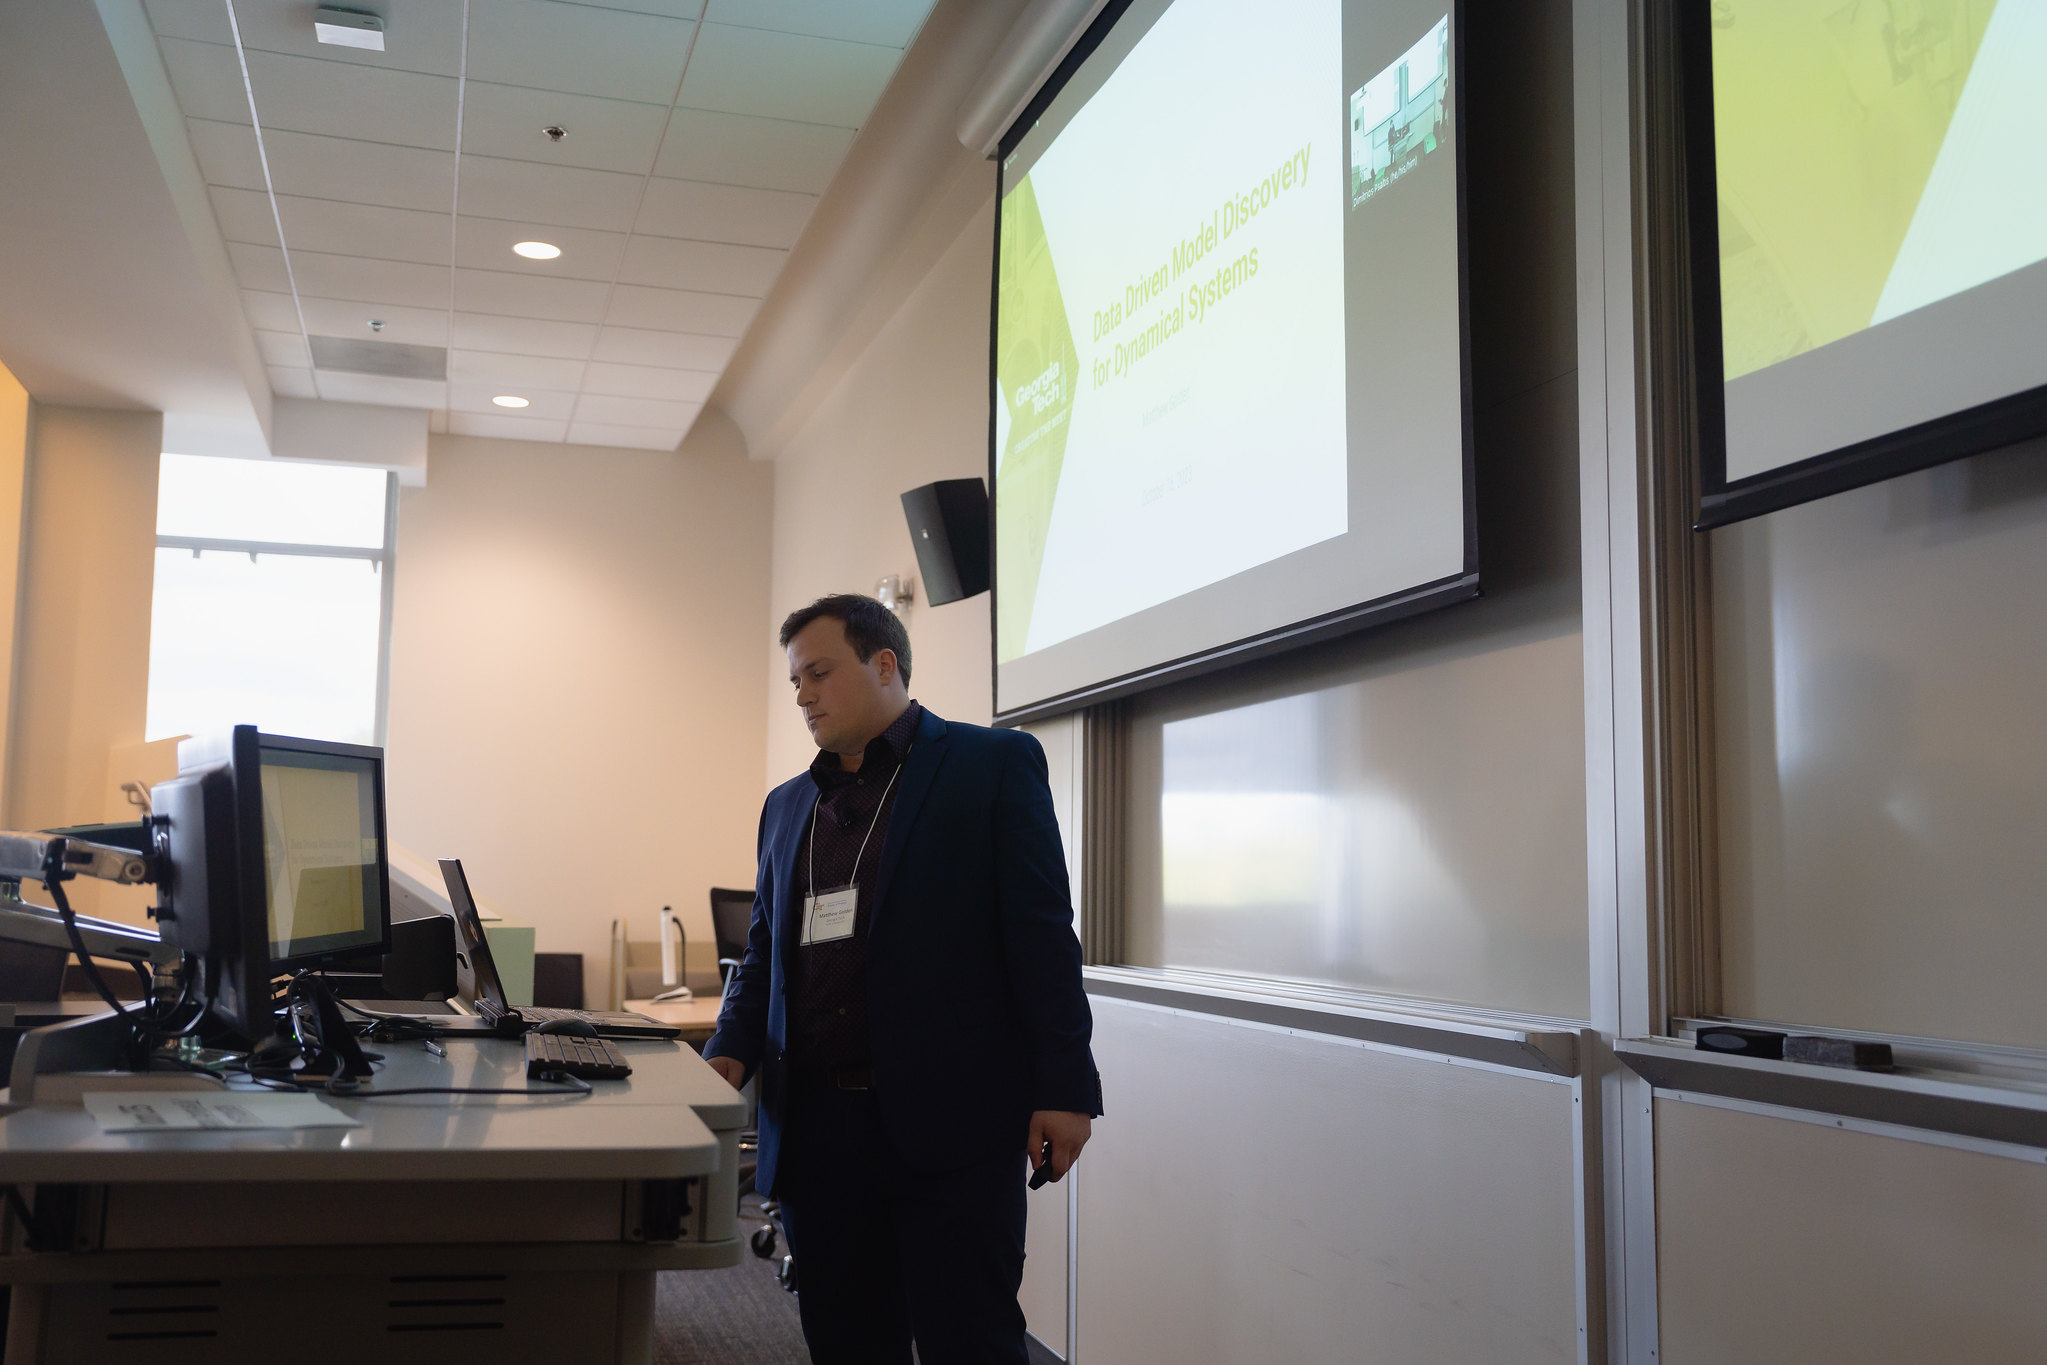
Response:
column 165, row 1111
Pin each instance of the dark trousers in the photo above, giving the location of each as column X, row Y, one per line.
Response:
column 885, row 1254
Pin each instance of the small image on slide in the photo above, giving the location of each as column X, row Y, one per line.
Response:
column 1396, row 117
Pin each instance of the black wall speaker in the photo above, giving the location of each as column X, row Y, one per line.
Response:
column 949, row 527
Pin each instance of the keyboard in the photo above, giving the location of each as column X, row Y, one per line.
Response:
column 591, row 1059
column 542, row 1014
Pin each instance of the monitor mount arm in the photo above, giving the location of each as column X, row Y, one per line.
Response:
column 39, row 857
column 34, row 857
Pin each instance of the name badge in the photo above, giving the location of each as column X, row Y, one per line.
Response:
column 829, row 917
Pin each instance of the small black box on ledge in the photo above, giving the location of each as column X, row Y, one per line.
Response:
column 1841, row 1052
column 1741, row 1042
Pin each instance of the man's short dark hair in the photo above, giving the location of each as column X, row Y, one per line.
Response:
column 869, row 626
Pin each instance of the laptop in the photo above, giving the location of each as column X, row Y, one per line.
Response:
column 480, row 994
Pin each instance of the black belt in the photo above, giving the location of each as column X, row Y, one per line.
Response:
column 835, row 1077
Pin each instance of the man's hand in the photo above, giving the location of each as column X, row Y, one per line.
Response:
column 732, row 1069
column 1067, row 1132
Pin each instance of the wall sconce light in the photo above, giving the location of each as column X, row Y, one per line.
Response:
column 896, row 592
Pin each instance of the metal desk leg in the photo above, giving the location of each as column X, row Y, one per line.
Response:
column 635, row 1317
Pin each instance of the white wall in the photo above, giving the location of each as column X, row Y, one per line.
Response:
column 575, row 696
column 88, row 565
column 912, row 409
column 16, row 415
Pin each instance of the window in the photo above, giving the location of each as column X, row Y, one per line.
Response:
column 273, row 598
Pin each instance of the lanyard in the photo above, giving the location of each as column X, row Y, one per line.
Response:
column 854, row 880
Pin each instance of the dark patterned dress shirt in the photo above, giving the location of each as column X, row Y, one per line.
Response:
column 828, row 991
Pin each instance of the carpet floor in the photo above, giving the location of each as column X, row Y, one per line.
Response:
column 735, row 1316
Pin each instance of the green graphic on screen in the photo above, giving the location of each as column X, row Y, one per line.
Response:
column 1865, row 157
column 1035, row 369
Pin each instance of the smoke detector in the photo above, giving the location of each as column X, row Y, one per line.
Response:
column 348, row 28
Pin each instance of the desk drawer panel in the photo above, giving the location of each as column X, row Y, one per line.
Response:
column 141, row 1217
column 391, row 1320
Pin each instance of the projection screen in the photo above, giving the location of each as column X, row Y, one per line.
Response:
column 1230, row 402
column 1881, row 232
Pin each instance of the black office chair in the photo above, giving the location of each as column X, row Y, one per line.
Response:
column 731, row 914
column 558, row 980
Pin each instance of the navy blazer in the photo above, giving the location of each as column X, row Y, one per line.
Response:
column 974, row 994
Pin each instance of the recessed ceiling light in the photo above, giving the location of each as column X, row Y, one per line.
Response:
column 537, row 251
column 506, row 400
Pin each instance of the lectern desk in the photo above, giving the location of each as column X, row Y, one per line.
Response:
column 522, row 1229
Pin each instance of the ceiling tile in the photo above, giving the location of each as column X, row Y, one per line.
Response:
column 486, row 244
column 716, row 267
column 203, row 20
column 680, row 310
column 505, row 428
column 259, row 267
column 523, row 336
column 525, row 191
column 603, row 135
column 531, row 371
column 892, row 23
column 362, row 279
column 292, row 383
column 529, row 296
column 275, row 312
column 338, row 387
column 284, row 348
column 578, row 49
column 739, row 149
column 227, row 154
column 631, row 438
column 542, row 404
column 635, row 412
column 667, row 350
column 360, row 172
column 724, row 213
column 349, row 318
column 364, row 230
column 243, row 215
column 786, row 75
column 640, row 381
column 673, row 9
column 419, row 35
column 342, row 99
column 207, row 79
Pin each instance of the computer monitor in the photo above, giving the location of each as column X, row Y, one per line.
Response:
column 277, row 862
column 326, row 879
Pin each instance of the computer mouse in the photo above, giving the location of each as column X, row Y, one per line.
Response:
column 580, row 1028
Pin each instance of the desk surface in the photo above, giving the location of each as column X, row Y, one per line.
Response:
column 30, row 1012
column 697, row 1017
column 656, row 1123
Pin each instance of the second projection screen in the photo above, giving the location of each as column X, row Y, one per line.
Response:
column 1228, row 347
column 1882, row 218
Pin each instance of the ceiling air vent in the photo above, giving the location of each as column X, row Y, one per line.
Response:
column 392, row 359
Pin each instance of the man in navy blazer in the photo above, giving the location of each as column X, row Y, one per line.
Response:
column 911, row 1000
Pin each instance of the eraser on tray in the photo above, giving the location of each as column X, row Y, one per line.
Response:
column 1841, row 1052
